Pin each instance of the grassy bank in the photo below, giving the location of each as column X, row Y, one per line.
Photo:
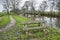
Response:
column 20, row 20
column 41, row 34
column 3, row 14
column 14, row 33
column 4, row 20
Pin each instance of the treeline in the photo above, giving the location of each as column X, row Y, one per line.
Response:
column 14, row 6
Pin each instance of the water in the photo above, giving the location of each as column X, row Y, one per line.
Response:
column 50, row 21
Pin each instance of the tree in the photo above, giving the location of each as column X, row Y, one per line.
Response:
column 43, row 6
column 32, row 5
column 52, row 5
column 58, row 5
column 6, row 5
column 11, row 5
column 25, row 7
column 14, row 5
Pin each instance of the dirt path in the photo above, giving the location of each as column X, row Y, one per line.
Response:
column 11, row 24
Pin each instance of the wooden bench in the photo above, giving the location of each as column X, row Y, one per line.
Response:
column 25, row 25
column 26, row 28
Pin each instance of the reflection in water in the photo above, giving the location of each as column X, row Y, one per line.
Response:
column 58, row 22
column 51, row 22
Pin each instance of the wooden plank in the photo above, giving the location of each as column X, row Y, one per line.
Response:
column 32, row 28
column 33, row 22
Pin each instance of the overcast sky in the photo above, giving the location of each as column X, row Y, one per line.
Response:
column 1, row 8
column 37, row 2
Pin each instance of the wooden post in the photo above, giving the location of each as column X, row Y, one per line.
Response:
column 24, row 25
column 43, row 24
column 27, row 34
column 20, row 35
column 38, row 24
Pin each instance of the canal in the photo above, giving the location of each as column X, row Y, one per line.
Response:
column 50, row 21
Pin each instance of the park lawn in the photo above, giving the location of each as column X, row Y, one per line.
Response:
column 4, row 20
column 15, row 32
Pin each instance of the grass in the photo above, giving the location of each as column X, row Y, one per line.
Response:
column 15, row 32
column 2, row 14
column 4, row 20
column 20, row 20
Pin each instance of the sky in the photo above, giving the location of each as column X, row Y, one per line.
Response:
column 1, row 8
column 37, row 2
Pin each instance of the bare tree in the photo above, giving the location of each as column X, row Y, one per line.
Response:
column 25, row 7
column 58, row 5
column 52, row 5
column 6, row 4
column 14, row 5
column 33, row 3
column 43, row 7
column 11, row 4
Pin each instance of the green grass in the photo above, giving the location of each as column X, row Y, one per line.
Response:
column 2, row 14
column 15, row 32
column 4, row 20
column 20, row 20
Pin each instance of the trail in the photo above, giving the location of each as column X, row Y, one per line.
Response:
column 8, row 26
